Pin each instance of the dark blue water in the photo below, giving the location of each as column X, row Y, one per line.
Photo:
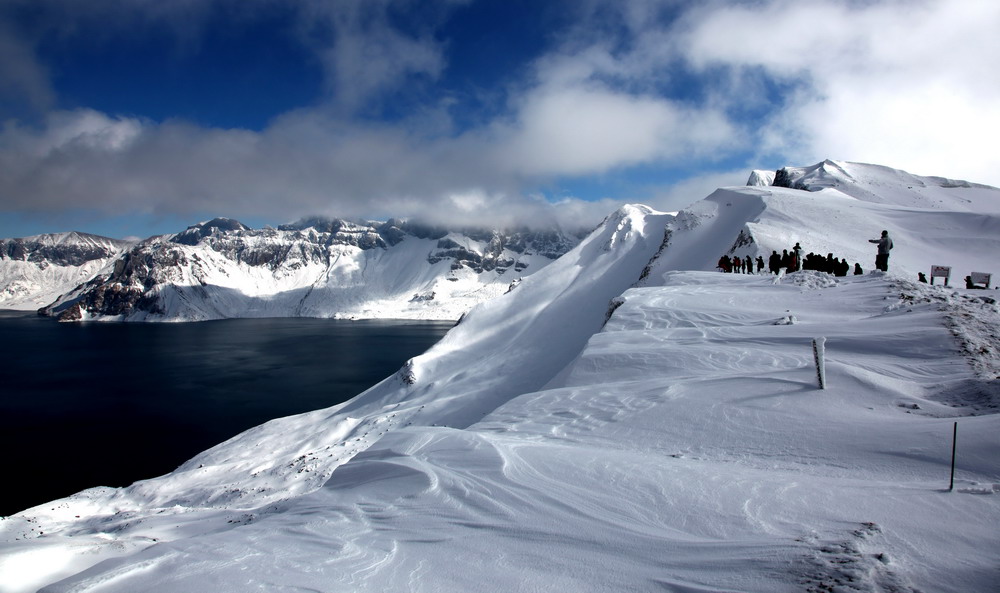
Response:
column 106, row 404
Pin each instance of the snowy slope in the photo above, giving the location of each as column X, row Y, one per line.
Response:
column 835, row 209
column 678, row 444
column 35, row 271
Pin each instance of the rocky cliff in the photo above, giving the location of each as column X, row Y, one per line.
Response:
column 316, row 267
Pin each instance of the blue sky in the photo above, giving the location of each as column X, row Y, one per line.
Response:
column 133, row 118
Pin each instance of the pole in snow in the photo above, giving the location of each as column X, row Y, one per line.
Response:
column 954, row 441
column 819, row 347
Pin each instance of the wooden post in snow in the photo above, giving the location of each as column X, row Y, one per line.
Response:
column 954, row 441
column 819, row 347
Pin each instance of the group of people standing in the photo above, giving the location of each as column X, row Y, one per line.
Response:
column 739, row 265
column 793, row 261
column 830, row 265
column 790, row 259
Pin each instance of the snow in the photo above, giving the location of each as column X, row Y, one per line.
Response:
column 760, row 177
column 304, row 273
column 591, row 432
column 28, row 283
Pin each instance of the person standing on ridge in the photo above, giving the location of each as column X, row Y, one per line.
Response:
column 884, row 246
column 774, row 262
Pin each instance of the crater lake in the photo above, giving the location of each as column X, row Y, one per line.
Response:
column 106, row 404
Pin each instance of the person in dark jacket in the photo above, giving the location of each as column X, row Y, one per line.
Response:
column 857, row 269
column 830, row 264
column 884, row 246
column 774, row 262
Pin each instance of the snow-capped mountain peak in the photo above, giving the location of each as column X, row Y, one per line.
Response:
column 35, row 271
column 196, row 233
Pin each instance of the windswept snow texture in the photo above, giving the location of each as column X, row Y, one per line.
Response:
column 35, row 271
column 588, row 432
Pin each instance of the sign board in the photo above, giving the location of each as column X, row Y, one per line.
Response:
column 940, row 272
column 981, row 278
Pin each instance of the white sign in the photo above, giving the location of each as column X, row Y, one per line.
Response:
column 980, row 278
column 940, row 271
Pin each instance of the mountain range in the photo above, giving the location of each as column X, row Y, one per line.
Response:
column 315, row 268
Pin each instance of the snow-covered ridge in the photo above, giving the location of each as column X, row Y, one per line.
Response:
column 835, row 207
column 884, row 185
column 317, row 267
column 34, row 271
column 589, row 431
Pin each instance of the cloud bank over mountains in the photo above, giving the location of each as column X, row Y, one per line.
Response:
column 605, row 95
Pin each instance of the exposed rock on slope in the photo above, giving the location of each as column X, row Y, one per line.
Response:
column 34, row 271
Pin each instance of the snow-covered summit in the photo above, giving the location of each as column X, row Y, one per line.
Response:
column 760, row 177
column 628, row 419
column 196, row 233
column 884, row 185
column 34, row 271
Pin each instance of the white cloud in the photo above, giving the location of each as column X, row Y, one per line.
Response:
column 925, row 127
column 569, row 118
column 589, row 128
column 688, row 191
column 90, row 129
column 304, row 164
column 906, row 84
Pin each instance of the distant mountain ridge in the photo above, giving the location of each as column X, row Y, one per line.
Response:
column 34, row 271
column 316, row 267
column 64, row 249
